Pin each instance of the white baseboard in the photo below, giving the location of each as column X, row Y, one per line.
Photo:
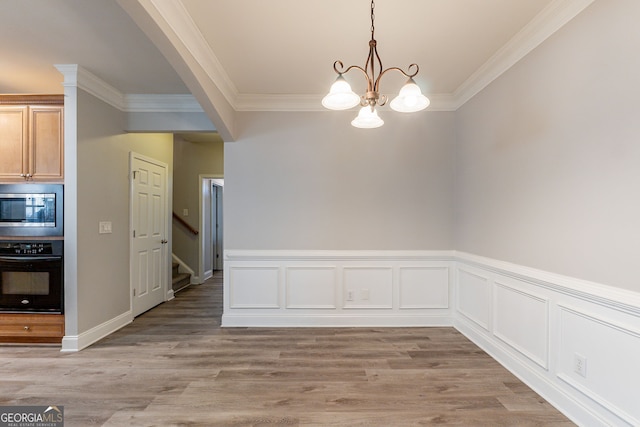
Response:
column 207, row 275
column 327, row 321
column 71, row 343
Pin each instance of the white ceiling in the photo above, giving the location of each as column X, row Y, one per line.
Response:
column 289, row 46
column 276, row 49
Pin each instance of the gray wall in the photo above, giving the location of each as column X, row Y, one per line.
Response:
column 311, row 181
column 548, row 155
column 192, row 159
column 103, row 195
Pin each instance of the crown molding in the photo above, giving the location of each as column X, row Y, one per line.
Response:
column 439, row 102
column 185, row 29
column 257, row 102
column 541, row 27
column 153, row 103
column 74, row 75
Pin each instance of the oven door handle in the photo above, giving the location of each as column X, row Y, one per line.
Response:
column 29, row 258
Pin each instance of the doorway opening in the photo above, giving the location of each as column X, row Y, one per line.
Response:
column 211, row 225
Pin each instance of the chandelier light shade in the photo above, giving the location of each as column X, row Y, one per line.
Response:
column 341, row 96
column 410, row 99
column 367, row 118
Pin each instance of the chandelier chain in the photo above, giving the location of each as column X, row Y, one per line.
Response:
column 373, row 17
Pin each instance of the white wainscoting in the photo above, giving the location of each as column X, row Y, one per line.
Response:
column 538, row 325
column 337, row 288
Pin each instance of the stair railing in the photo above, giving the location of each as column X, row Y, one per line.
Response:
column 185, row 224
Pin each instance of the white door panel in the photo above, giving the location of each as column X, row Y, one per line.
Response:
column 148, row 244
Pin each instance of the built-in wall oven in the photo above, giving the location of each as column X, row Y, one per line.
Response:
column 31, row 210
column 31, row 276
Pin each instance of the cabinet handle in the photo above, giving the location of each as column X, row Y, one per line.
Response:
column 26, row 328
column 23, row 175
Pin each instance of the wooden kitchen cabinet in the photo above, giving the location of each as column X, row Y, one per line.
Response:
column 31, row 138
column 31, row 328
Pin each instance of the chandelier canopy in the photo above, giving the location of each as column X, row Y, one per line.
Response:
column 341, row 97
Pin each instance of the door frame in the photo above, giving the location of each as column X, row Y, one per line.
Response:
column 168, row 291
column 217, row 207
column 204, row 181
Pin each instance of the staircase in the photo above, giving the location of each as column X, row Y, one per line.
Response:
column 179, row 280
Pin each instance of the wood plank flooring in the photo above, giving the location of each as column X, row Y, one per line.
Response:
column 175, row 366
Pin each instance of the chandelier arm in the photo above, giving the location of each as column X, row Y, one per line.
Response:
column 406, row 74
column 373, row 55
column 412, row 75
column 351, row 67
column 343, row 71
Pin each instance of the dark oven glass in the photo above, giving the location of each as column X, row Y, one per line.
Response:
column 31, row 284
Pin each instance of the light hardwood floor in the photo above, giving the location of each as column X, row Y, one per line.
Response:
column 175, row 366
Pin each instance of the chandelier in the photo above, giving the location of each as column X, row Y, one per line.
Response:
column 341, row 97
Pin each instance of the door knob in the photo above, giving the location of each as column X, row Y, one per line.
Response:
column 163, row 241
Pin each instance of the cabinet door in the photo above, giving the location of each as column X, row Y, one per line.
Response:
column 46, row 155
column 13, row 143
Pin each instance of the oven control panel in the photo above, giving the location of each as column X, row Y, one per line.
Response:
column 26, row 248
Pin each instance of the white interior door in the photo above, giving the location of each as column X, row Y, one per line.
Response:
column 148, row 233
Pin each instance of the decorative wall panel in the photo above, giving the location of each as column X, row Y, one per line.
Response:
column 522, row 321
column 424, row 287
column 254, row 287
column 474, row 297
column 311, row 287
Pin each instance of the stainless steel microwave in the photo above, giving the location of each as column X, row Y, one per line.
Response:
column 31, row 210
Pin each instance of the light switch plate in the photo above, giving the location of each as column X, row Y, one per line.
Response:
column 104, row 227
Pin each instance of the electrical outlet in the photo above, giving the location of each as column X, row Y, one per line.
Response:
column 349, row 295
column 580, row 365
column 185, row 212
